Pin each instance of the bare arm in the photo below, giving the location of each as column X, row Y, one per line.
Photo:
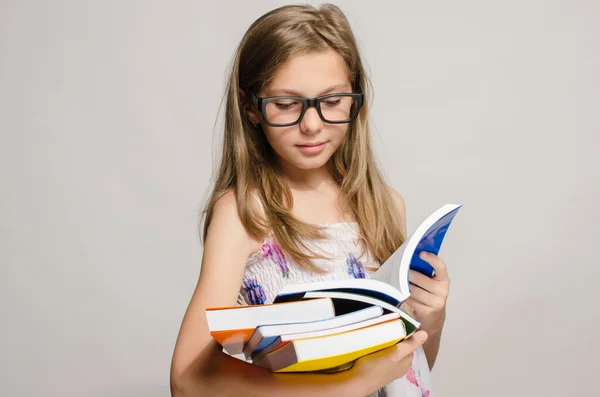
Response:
column 200, row 368
column 432, row 346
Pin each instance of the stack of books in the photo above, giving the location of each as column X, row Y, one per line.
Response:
column 326, row 326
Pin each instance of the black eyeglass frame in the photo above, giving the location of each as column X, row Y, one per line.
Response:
column 261, row 104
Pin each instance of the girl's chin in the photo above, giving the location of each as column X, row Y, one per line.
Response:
column 311, row 163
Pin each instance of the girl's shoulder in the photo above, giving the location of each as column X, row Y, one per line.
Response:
column 226, row 224
column 400, row 205
column 398, row 199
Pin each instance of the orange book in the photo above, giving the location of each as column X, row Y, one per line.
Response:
column 232, row 326
column 234, row 339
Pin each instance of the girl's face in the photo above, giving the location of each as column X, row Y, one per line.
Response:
column 310, row 143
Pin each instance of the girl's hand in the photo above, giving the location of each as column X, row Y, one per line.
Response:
column 428, row 295
column 378, row 369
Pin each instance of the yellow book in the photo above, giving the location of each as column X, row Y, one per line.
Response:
column 334, row 350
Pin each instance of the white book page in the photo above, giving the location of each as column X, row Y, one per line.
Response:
column 390, row 271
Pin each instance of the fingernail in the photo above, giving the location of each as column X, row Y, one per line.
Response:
column 423, row 254
column 421, row 336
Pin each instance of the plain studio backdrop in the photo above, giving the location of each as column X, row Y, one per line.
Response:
column 107, row 111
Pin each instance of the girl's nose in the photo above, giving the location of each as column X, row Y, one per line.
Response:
column 311, row 123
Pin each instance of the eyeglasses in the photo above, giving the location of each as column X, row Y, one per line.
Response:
column 283, row 111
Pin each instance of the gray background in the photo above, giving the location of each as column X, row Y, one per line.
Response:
column 107, row 111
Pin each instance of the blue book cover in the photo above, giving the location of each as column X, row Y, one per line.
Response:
column 429, row 237
column 431, row 241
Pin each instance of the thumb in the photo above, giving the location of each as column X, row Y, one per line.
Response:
column 408, row 346
column 417, row 339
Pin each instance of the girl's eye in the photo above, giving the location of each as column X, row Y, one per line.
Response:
column 333, row 102
column 286, row 105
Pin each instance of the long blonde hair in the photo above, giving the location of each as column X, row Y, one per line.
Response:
column 248, row 165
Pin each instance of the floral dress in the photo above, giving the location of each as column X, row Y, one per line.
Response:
column 269, row 270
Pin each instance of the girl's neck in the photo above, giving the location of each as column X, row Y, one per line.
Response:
column 316, row 195
column 312, row 179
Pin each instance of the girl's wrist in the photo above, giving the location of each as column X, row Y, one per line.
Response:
column 436, row 327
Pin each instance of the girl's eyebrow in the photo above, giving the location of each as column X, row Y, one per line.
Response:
column 284, row 91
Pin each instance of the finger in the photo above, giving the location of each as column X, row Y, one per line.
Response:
column 408, row 309
column 411, row 344
column 419, row 295
column 402, row 349
column 439, row 266
column 421, row 280
column 417, row 306
column 433, row 286
column 408, row 346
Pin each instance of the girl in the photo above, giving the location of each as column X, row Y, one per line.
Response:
column 299, row 198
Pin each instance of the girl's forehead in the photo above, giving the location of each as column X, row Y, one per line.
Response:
column 311, row 74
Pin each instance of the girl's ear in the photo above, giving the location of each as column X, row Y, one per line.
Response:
column 248, row 109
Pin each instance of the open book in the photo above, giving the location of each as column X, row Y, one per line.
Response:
column 294, row 342
column 389, row 286
column 428, row 237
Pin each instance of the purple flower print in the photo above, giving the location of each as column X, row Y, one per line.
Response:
column 254, row 292
column 355, row 268
column 270, row 250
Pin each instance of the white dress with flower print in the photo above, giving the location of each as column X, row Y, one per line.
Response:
column 269, row 270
